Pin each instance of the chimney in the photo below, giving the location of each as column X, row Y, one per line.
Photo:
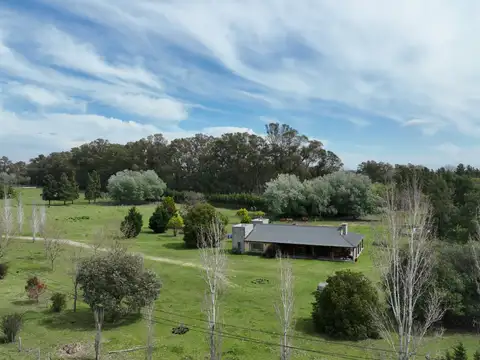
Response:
column 344, row 229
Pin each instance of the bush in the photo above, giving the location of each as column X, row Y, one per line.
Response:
column 135, row 186
column 169, row 204
column 258, row 214
column 192, row 198
column 246, row 219
column 11, row 326
column 3, row 270
column 198, row 218
column 159, row 220
column 59, row 302
column 11, row 193
column 35, row 288
column 241, row 213
column 175, row 223
column 132, row 224
column 118, row 281
column 342, row 309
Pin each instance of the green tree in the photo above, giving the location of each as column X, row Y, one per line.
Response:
column 118, row 281
column 132, row 224
column 476, row 355
column 241, row 213
column 159, row 220
column 343, row 308
column 459, row 352
column 50, row 189
column 93, row 188
column 169, row 204
column 198, row 219
column 75, row 187
column 7, row 190
column 66, row 191
column 246, row 219
column 135, row 186
column 175, row 223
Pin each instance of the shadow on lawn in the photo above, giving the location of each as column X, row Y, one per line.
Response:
column 176, row 246
column 305, row 326
column 82, row 320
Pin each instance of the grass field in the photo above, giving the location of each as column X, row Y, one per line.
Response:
column 247, row 306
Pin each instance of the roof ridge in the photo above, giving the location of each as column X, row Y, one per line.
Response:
column 344, row 238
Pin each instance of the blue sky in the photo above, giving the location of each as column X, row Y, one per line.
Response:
column 382, row 80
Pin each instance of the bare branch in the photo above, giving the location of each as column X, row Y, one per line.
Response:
column 150, row 328
column 43, row 218
column 20, row 214
column 214, row 263
column 6, row 225
column 405, row 262
column 35, row 222
column 53, row 245
column 98, row 315
column 285, row 307
column 75, row 259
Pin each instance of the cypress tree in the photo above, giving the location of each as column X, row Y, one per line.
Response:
column 75, row 189
column 92, row 191
column 65, row 189
column 50, row 189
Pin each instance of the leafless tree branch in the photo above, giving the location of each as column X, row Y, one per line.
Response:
column 6, row 225
column 405, row 260
column 20, row 214
column 214, row 264
column 53, row 244
column 285, row 307
column 35, row 222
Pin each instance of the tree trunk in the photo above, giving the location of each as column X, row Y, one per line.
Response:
column 174, row 231
column 64, row 202
column 75, row 295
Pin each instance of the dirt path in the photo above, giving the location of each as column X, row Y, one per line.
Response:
column 147, row 257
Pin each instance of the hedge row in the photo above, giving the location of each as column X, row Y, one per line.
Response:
column 249, row 201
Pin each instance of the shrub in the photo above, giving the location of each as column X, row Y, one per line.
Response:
column 246, row 219
column 133, row 186
column 159, row 220
column 343, row 308
column 241, row 213
column 258, row 214
column 175, row 223
column 35, row 288
column 169, row 203
column 11, row 193
column 118, row 281
column 192, row 198
column 3, row 270
column 59, row 302
column 198, row 218
column 132, row 224
column 11, row 326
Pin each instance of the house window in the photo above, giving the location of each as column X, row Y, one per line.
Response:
column 256, row 247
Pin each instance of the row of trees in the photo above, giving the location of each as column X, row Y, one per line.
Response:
column 340, row 193
column 235, row 162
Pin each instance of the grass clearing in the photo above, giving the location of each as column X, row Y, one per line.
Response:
column 248, row 306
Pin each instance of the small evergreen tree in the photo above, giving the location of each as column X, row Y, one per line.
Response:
column 65, row 189
column 50, row 189
column 476, row 355
column 75, row 188
column 175, row 223
column 132, row 224
column 459, row 352
column 92, row 191
column 169, row 204
column 159, row 220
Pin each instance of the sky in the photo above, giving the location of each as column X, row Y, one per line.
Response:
column 394, row 81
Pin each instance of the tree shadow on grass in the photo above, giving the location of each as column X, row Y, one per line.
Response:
column 82, row 320
column 305, row 326
column 176, row 246
column 24, row 302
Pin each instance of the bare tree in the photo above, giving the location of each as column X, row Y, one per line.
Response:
column 20, row 214
column 285, row 307
column 75, row 259
column 214, row 264
column 53, row 245
column 98, row 315
column 35, row 222
column 404, row 256
column 150, row 328
column 43, row 218
column 6, row 226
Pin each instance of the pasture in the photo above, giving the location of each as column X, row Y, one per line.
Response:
column 247, row 307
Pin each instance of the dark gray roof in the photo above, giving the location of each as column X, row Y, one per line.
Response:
column 303, row 235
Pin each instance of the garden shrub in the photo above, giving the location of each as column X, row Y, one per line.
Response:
column 258, row 214
column 241, row 213
column 175, row 223
column 199, row 218
column 59, row 302
column 3, row 270
column 343, row 308
column 117, row 280
column 35, row 288
column 11, row 326
column 169, row 204
column 246, row 219
column 159, row 220
column 11, row 193
column 132, row 224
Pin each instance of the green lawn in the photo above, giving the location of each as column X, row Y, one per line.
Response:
column 247, row 306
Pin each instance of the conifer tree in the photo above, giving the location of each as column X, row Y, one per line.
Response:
column 92, row 191
column 75, row 189
column 65, row 189
column 50, row 189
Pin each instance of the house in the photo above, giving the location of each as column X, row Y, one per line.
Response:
column 300, row 241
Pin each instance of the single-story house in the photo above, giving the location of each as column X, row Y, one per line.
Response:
column 300, row 241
